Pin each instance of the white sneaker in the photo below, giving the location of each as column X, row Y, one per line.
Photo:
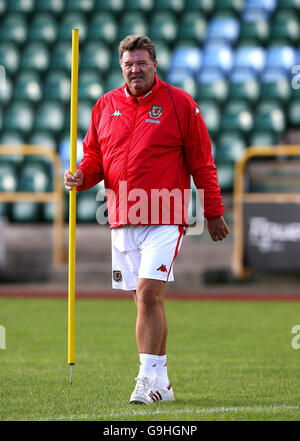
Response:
column 146, row 392
column 164, row 393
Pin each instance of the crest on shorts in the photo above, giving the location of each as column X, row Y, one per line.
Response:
column 155, row 111
column 117, row 276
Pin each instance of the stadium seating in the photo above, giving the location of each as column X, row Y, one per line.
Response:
column 8, row 176
column 43, row 28
column 262, row 138
column 285, row 27
column 84, row 116
column 200, row 5
column 9, row 137
column 275, row 84
column 280, row 57
column 265, row 7
column 72, row 20
column 138, row 5
column 114, row 80
column 53, row 6
column 64, row 150
column 132, row 23
column 192, row 27
column 292, row 5
column 294, row 113
column 225, row 175
column 50, row 116
column 6, row 93
column 28, row 87
column 90, row 85
column 43, row 139
column 270, row 116
column 34, row 177
column 234, row 6
column 25, row 212
column 223, row 29
column 186, row 58
column 36, row 56
column 212, row 85
column 96, row 55
column 254, row 33
column 163, row 26
column 23, row 7
column 12, row 138
column 19, row 117
column 9, row 56
column 61, row 56
column 237, row 116
column 167, row 5
column 235, row 57
column 116, row 6
column 163, row 53
column 79, row 5
column 250, row 58
column 244, row 85
column 57, row 86
column 230, row 146
column 184, row 79
column 48, row 209
column 103, row 26
column 13, row 28
column 219, row 56
column 86, row 206
column 212, row 116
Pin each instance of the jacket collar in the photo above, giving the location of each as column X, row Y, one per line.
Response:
column 143, row 98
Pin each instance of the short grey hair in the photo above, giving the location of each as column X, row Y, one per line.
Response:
column 137, row 41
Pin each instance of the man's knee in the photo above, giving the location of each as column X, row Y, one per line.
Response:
column 150, row 293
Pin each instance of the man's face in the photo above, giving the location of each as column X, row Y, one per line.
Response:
column 138, row 70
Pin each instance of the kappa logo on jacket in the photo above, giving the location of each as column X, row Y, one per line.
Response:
column 116, row 113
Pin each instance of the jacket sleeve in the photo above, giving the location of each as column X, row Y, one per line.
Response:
column 199, row 158
column 91, row 163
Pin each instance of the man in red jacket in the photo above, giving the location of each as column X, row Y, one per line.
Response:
column 145, row 139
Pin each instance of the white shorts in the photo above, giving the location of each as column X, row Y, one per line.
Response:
column 144, row 251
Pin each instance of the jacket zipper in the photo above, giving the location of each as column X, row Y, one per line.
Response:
column 130, row 144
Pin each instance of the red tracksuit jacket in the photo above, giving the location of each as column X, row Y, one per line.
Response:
column 155, row 141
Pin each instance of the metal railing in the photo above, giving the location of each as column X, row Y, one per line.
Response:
column 240, row 196
column 56, row 196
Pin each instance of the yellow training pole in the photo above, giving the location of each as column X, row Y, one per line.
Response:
column 72, row 202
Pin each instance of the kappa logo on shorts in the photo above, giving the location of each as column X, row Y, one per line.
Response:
column 162, row 268
column 117, row 276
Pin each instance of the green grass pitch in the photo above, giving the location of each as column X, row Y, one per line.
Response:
column 226, row 361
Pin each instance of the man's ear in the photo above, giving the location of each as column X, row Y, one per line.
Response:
column 155, row 65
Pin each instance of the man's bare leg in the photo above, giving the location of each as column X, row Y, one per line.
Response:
column 163, row 345
column 151, row 324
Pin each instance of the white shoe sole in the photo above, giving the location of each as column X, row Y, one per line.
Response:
column 141, row 399
column 138, row 399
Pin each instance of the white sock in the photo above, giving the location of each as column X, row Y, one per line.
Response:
column 162, row 379
column 148, row 365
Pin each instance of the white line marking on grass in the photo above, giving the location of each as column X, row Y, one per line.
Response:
column 174, row 412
